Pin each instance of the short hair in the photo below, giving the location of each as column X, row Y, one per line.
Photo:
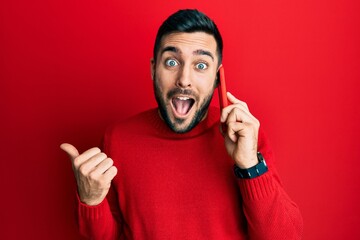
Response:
column 189, row 21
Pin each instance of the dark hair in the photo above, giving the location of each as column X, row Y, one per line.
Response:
column 189, row 21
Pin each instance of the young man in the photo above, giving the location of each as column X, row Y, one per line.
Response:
column 174, row 177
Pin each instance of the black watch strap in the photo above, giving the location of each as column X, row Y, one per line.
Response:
column 255, row 171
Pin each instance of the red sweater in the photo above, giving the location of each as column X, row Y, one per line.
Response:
column 181, row 186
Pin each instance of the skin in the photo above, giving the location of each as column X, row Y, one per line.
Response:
column 93, row 171
column 186, row 66
column 242, row 131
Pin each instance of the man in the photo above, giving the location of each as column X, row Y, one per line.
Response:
column 169, row 175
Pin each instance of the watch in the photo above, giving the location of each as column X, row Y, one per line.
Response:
column 253, row 172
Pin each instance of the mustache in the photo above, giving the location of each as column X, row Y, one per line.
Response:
column 180, row 91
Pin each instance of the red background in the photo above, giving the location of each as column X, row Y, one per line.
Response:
column 70, row 68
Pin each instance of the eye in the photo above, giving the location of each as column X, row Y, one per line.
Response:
column 171, row 63
column 201, row 66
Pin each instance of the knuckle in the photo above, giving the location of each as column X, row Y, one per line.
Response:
column 224, row 112
column 77, row 162
column 110, row 161
column 231, row 116
column 256, row 123
column 237, row 110
column 111, row 173
column 83, row 169
column 228, row 109
column 93, row 175
column 230, row 129
column 102, row 155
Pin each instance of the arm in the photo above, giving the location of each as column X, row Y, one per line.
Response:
column 102, row 221
column 94, row 172
column 269, row 211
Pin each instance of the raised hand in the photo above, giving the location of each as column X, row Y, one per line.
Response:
column 93, row 171
column 241, row 136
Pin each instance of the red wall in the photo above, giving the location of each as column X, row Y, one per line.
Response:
column 70, row 68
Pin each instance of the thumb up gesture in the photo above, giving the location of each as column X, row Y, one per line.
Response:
column 93, row 171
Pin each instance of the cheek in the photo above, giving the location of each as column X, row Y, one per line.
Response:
column 206, row 85
column 161, row 84
column 164, row 80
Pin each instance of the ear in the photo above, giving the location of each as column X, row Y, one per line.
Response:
column 218, row 71
column 152, row 68
column 217, row 79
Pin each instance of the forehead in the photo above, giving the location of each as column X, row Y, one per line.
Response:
column 189, row 42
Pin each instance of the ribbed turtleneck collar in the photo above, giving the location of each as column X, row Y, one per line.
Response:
column 163, row 130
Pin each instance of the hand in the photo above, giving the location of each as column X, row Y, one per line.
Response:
column 93, row 171
column 241, row 136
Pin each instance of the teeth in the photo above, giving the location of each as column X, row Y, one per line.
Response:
column 183, row 98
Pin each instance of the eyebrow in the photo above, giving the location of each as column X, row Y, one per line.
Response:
column 170, row 49
column 203, row 52
column 196, row 52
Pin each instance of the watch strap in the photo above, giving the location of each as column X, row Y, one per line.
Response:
column 255, row 171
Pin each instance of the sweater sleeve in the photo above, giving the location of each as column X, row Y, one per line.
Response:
column 101, row 221
column 269, row 211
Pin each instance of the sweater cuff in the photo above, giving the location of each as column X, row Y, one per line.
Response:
column 257, row 188
column 92, row 212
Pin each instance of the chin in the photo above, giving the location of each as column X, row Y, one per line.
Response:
column 180, row 125
column 184, row 125
column 173, row 107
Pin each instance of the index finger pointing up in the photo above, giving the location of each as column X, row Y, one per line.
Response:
column 232, row 98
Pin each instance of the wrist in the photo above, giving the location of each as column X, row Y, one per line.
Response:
column 89, row 201
column 248, row 162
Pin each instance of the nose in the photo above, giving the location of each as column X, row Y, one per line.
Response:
column 184, row 77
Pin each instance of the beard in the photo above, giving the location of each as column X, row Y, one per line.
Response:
column 199, row 115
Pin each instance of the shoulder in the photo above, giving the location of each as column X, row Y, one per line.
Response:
column 129, row 130
column 134, row 124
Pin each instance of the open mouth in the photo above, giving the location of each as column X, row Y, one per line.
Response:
column 182, row 105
